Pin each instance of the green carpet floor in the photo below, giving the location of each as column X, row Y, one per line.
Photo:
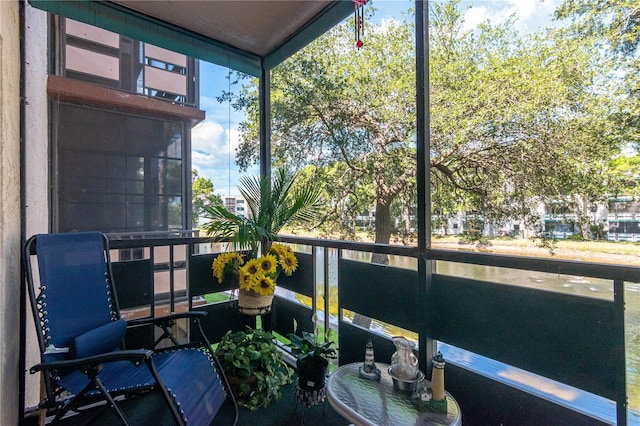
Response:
column 150, row 410
column 285, row 412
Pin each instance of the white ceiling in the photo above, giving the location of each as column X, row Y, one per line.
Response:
column 256, row 26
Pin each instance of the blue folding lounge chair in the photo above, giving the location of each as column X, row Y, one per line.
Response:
column 80, row 334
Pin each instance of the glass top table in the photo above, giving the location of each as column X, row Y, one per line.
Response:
column 368, row 402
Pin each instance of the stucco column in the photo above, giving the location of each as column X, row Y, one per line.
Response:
column 36, row 142
column 10, row 224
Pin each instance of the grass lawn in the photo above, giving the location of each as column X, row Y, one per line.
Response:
column 625, row 253
column 216, row 297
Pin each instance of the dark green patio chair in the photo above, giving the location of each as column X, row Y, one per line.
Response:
column 80, row 335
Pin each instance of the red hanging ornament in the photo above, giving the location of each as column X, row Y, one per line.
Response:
column 358, row 6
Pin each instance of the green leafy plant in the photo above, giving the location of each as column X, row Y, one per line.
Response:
column 272, row 202
column 307, row 349
column 312, row 359
column 254, row 367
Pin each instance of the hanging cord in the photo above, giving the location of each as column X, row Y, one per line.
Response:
column 229, row 128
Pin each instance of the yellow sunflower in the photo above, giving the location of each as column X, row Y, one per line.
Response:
column 263, row 285
column 252, row 266
column 288, row 263
column 226, row 263
column 280, row 249
column 268, row 264
column 246, row 282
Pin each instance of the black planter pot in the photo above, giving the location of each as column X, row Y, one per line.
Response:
column 312, row 373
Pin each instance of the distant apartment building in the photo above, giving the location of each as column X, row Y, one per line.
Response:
column 236, row 205
column 618, row 220
column 624, row 219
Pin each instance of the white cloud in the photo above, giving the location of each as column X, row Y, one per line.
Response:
column 233, row 136
column 208, row 136
column 201, row 160
column 213, row 156
column 388, row 23
column 529, row 15
column 211, row 151
column 474, row 17
column 214, row 141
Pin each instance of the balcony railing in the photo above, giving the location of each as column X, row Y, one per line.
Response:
column 527, row 340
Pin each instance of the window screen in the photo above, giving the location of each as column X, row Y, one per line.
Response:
column 117, row 172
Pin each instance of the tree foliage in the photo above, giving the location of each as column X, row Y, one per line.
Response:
column 615, row 21
column 203, row 195
column 349, row 113
column 615, row 26
column 515, row 119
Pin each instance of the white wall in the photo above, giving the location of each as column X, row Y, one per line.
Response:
column 36, row 146
column 10, row 224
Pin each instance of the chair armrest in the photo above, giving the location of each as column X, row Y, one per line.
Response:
column 163, row 320
column 137, row 356
column 166, row 323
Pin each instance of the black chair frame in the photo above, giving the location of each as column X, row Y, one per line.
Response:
column 56, row 399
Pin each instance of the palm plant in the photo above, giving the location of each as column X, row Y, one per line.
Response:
column 272, row 202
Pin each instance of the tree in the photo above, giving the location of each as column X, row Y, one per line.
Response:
column 515, row 120
column 203, row 196
column 616, row 24
column 626, row 169
column 617, row 21
column 349, row 113
column 343, row 203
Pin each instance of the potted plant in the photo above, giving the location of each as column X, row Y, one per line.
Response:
column 312, row 359
column 255, row 369
column 272, row 202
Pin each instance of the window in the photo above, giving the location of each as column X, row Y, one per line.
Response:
column 118, row 172
column 108, row 59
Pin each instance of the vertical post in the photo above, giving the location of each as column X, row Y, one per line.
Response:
column 190, row 252
column 187, row 213
column 264, row 104
column 152, row 259
column 23, row 223
column 264, row 95
column 172, row 283
column 426, row 345
column 340, row 317
column 314, row 289
column 620, row 360
column 327, row 324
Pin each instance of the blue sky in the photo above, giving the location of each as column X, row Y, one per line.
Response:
column 215, row 139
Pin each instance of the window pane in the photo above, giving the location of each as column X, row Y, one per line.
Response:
column 114, row 174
